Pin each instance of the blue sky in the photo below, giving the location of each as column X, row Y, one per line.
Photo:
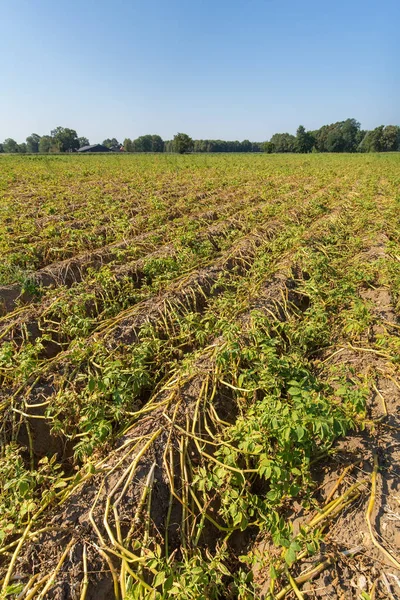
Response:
column 211, row 68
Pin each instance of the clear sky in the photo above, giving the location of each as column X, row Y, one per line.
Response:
column 229, row 69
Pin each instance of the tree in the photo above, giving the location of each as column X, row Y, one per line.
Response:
column 65, row 139
column 284, row 142
column 335, row 141
column 113, row 144
column 183, row 143
column 128, row 145
column 142, row 144
column 349, row 130
column 359, row 138
column 343, row 136
column 304, row 140
column 32, row 143
column 373, row 140
column 256, row 147
column 83, row 141
column 320, row 136
column 391, row 138
column 45, row 144
column 148, row 143
column 246, row 146
column 157, row 143
column 10, row 145
column 269, row 147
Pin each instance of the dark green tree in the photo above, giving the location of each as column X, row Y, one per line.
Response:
column 334, row 141
column 65, row 139
column 182, row 143
column 391, row 138
column 350, row 130
column 83, row 141
column 143, row 144
column 113, row 144
column 269, row 147
column 245, row 146
column 45, row 144
column 373, row 140
column 304, row 140
column 10, row 145
column 148, row 143
column 128, row 145
column 32, row 143
column 320, row 136
column 359, row 138
column 284, row 142
column 157, row 143
column 343, row 136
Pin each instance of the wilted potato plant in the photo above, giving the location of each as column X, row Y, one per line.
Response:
column 186, row 342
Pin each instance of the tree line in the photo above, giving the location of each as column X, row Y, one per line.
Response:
column 343, row 136
column 61, row 139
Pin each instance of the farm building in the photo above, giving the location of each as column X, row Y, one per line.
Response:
column 94, row 148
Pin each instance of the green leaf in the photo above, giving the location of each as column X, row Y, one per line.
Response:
column 266, row 472
column 311, row 548
column 293, row 391
column 159, row 579
column 237, row 519
column 168, row 583
column 296, row 546
column 14, row 588
column 224, row 570
column 23, row 487
column 272, row 572
column 290, row 556
column 60, row 484
column 273, row 495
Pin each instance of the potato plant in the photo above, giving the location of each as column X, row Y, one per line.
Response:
column 179, row 356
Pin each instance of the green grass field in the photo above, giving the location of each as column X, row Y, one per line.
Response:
column 199, row 369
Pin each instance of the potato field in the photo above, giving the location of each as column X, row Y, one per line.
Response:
column 199, row 366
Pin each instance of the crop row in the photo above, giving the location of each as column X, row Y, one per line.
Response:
column 190, row 418
column 51, row 210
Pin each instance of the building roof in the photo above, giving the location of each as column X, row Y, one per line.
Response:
column 92, row 147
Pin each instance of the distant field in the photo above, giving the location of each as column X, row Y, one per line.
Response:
column 199, row 368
